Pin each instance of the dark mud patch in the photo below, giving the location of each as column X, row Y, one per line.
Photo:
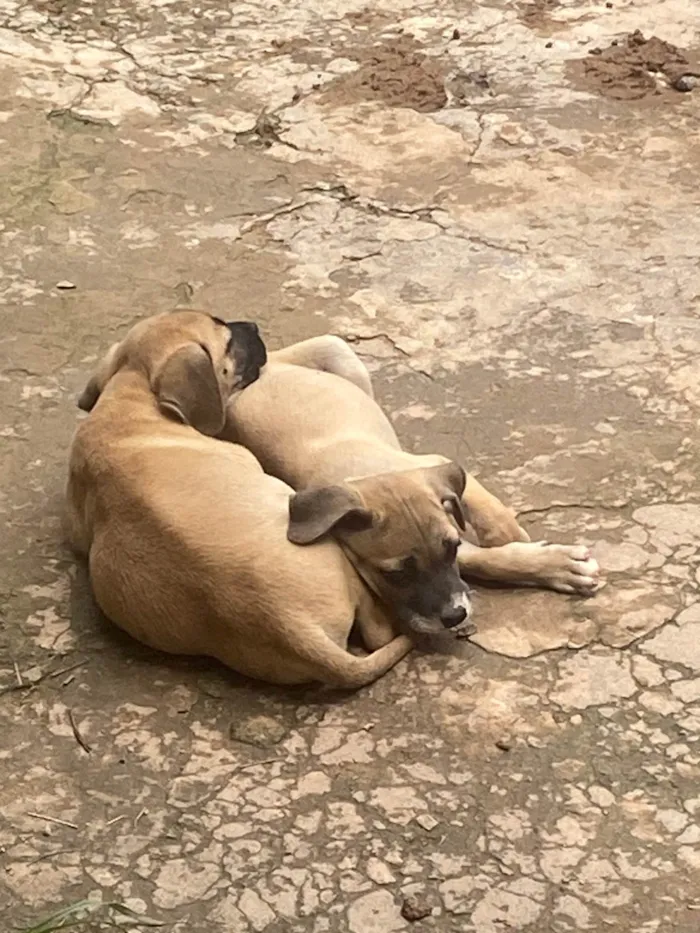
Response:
column 634, row 68
column 538, row 15
column 395, row 73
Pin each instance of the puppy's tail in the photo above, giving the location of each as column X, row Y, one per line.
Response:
column 336, row 667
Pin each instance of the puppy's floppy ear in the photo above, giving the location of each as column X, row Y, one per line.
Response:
column 106, row 369
column 314, row 513
column 449, row 481
column 186, row 387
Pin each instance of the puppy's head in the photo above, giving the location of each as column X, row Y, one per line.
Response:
column 193, row 363
column 402, row 532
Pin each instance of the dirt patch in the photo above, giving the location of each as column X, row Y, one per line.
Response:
column 298, row 49
column 396, row 73
column 635, row 67
column 538, row 14
column 369, row 18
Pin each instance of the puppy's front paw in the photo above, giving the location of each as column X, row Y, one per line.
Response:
column 465, row 630
column 567, row 568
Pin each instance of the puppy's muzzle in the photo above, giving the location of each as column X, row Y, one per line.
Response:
column 453, row 616
column 457, row 611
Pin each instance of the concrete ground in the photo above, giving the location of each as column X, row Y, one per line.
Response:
column 498, row 203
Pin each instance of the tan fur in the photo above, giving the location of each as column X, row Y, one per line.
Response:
column 186, row 536
column 311, row 420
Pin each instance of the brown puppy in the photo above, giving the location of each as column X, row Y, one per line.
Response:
column 186, row 537
column 312, row 421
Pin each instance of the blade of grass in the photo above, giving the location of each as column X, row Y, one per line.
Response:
column 139, row 919
column 76, row 914
column 69, row 916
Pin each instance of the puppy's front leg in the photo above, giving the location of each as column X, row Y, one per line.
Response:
column 565, row 568
column 375, row 624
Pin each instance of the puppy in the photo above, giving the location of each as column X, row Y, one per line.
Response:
column 186, row 536
column 312, row 421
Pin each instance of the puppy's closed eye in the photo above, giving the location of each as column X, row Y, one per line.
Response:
column 451, row 547
column 402, row 574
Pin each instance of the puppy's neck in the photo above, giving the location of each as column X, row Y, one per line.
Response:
column 358, row 458
column 364, row 584
column 128, row 386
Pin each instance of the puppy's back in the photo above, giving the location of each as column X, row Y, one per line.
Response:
column 189, row 555
column 294, row 415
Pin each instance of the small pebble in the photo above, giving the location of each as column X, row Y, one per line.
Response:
column 379, row 872
column 262, row 731
column 548, row 45
column 504, row 745
column 456, row 34
column 415, row 908
column 65, row 284
column 426, row 821
column 685, row 83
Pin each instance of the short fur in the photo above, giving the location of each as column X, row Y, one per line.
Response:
column 186, row 536
column 312, row 421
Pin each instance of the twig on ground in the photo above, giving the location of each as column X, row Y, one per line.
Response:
column 116, row 819
column 254, row 764
column 47, row 675
column 48, row 855
column 65, row 670
column 76, row 733
column 52, row 819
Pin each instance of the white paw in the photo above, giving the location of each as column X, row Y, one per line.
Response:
column 571, row 569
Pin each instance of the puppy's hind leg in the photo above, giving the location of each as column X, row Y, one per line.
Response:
column 329, row 354
column 494, row 523
column 376, row 626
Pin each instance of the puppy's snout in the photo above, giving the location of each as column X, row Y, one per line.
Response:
column 457, row 610
column 453, row 616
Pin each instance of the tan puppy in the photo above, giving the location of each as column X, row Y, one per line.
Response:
column 312, row 421
column 186, row 537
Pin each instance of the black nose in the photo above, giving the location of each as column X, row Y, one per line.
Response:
column 453, row 616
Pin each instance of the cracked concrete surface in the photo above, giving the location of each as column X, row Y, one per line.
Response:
column 514, row 252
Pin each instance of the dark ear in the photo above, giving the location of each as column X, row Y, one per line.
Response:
column 88, row 397
column 187, row 388
column 249, row 351
column 450, row 480
column 314, row 513
column 99, row 379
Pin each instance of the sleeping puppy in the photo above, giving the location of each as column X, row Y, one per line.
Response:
column 187, row 538
column 312, row 421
